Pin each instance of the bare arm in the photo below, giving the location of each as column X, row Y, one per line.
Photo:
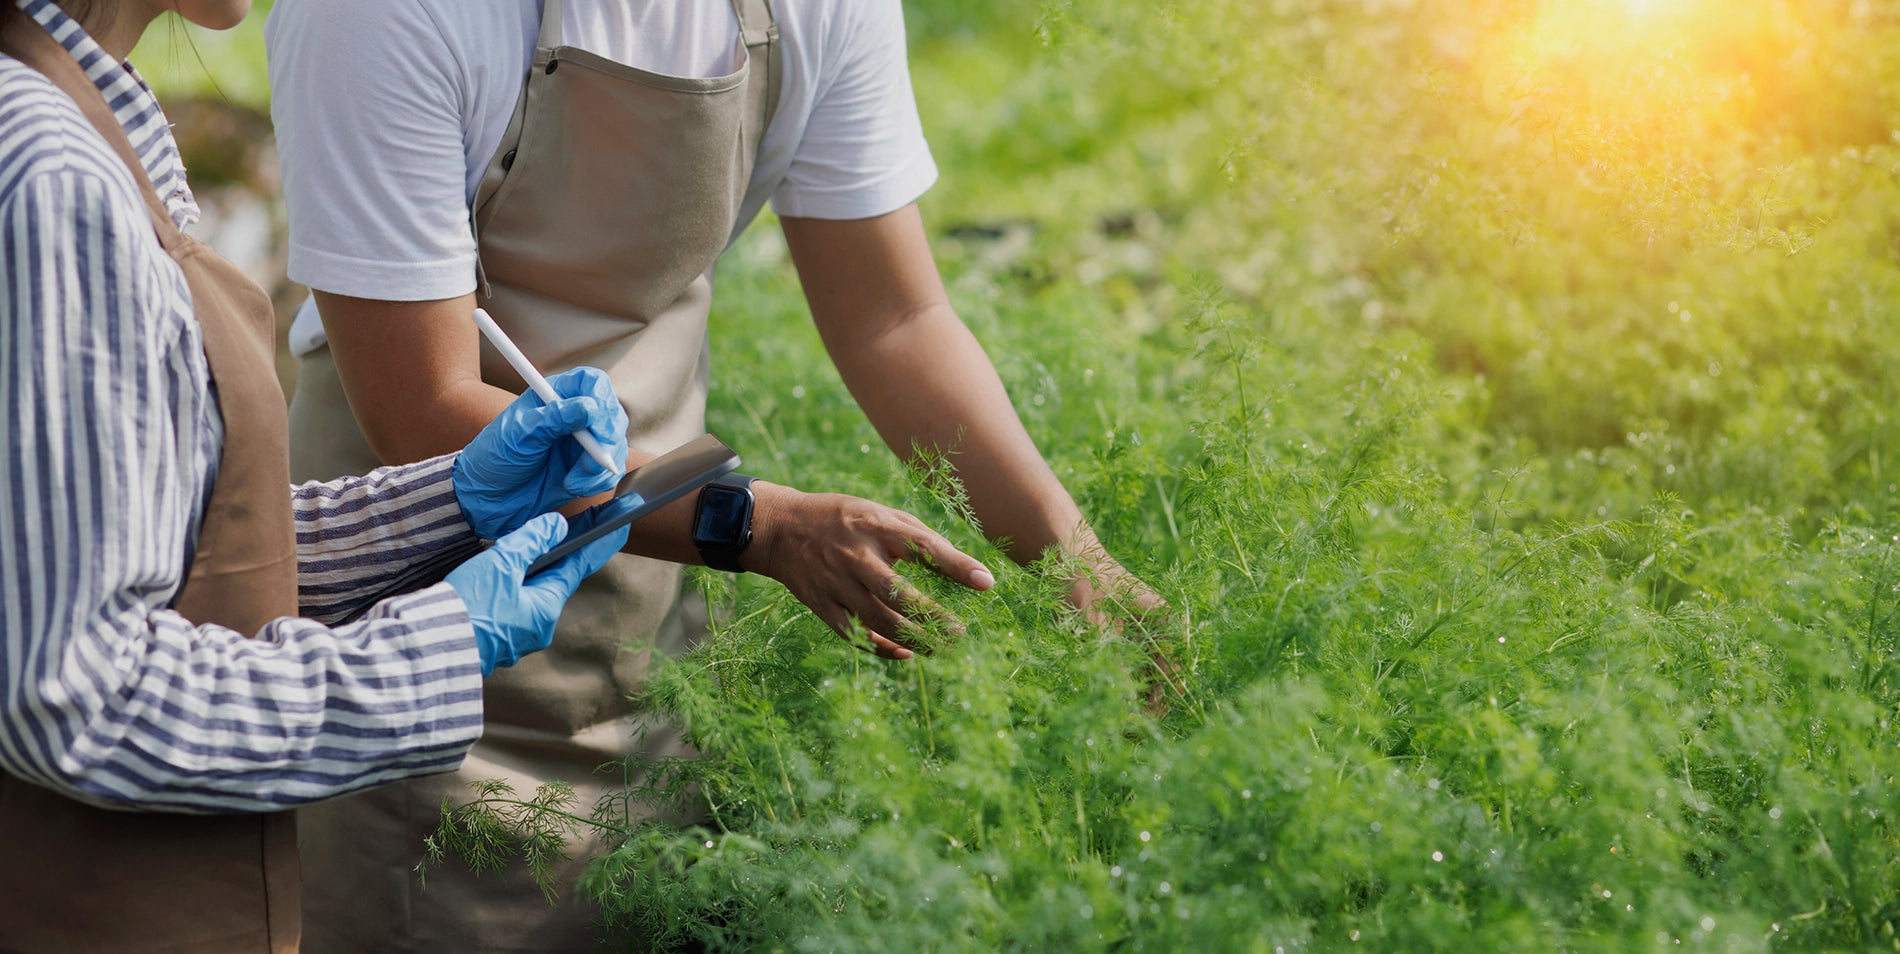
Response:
column 920, row 376
column 412, row 371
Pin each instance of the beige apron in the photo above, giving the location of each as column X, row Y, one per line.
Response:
column 81, row 880
column 598, row 222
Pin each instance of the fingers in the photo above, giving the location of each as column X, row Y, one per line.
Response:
column 892, row 614
column 586, row 400
column 604, row 419
column 856, row 613
column 609, row 425
column 838, row 556
column 906, row 613
column 894, row 610
column 928, row 547
column 547, row 423
column 882, row 621
column 850, row 626
column 586, row 519
column 564, row 577
column 912, row 602
column 587, row 477
column 584, row 381
column 594, row 387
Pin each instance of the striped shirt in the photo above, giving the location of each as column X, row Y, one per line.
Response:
column 111, row 440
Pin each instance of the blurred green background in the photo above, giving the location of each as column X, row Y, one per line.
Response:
column 1500, row 391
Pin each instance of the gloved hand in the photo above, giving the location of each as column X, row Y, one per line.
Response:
column 513, row 618
column 526, row 461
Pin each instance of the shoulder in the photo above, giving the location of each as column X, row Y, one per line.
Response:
column 43, row 133
column 447, row 24
column 833, row 36
column 390, row 54
column 66, row 195
column 840, row 22
column 826, row 18
column 41, row 130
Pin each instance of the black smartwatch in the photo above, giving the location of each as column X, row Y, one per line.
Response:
column 722, row 523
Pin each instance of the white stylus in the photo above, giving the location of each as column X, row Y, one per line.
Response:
column 538, row 384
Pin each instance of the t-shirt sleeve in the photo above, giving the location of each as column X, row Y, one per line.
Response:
column 863, row 153
column 368, row 101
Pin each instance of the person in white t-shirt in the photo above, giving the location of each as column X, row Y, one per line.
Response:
column 575, row 167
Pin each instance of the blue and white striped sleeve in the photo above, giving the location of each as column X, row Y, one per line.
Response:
column 355, row 533
column 105, row 694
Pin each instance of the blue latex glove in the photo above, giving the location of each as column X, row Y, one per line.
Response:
column 513, row 618
column 526, row 461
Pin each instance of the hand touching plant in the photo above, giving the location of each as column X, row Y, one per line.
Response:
column 838, row 554
column 1112, row 597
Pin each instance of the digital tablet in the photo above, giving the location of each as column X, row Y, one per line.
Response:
column 649, row 487
column 646, row 488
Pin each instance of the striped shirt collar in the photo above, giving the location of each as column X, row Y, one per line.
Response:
column 132, row 101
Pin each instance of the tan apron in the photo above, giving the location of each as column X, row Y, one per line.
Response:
column 598, row 220
column 79, row 880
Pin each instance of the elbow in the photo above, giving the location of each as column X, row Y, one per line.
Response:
column 416, row 429
column 872, row 335
column 41, row 751
column 392, row 441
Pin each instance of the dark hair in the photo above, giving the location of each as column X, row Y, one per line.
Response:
column 77, row 9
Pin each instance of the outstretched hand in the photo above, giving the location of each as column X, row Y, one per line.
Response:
column 838, row 554
column 1112, row 597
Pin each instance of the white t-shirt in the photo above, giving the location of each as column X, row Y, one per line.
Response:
column 388, row 112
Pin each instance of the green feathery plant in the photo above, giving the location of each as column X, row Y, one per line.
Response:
column 1504, row 410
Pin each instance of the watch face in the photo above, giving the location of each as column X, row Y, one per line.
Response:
column 722, row 516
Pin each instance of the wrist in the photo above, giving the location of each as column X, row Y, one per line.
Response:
column 770, row 504
column 1066, row 536
column 458, row 482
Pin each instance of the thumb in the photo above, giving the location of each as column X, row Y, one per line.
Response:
column 564, row 577
column 515, row 551
column 575, row 382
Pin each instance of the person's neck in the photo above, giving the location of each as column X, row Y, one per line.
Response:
column 116, row 27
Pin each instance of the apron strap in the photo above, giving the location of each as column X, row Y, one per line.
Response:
column 550, row 25
column 32, row 45
column 756, row 24
column 759, row 28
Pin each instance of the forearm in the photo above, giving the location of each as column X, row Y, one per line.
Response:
column 455, row 416
column 354, row 534
column 924, row 381
column 412, row 371
column 140, row 709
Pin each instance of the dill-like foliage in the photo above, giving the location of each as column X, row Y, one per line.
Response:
column 1506, row 415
